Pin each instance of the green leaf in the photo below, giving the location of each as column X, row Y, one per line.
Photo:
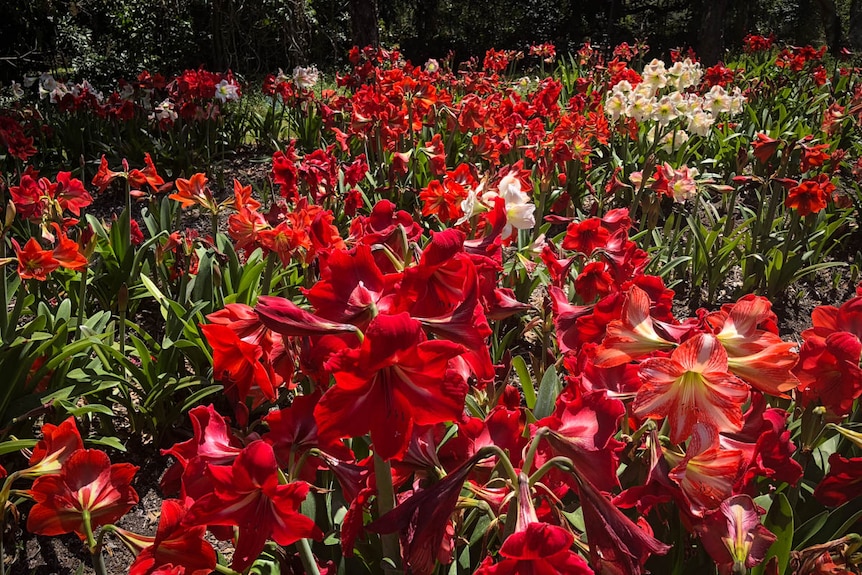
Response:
column 809, row 529
column 779, row 520
column 549, row 388
column 16, row 445
column 526, row 381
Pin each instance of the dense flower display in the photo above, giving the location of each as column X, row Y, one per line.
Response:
column 470, row 322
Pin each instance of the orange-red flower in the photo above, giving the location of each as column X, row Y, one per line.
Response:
column 195, row 191
column 692, row 385
column 33, row 261
column 809, row 197
column 86, row 482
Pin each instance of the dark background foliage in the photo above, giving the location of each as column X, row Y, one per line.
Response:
column 103, row 39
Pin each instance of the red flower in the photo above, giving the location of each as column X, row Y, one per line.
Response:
column 842, row 483
column 734, row 537
column 175, row 546
column 195, row 191
column 540, row 549
column 33, row 261
column 237, row 364
column 248, row 495
column 104, row 177
column 87, row 482
column 56, row 446
column 764, row 147
column 692, row 385
column 395, row 379
column 809, row 197
column 147, row 176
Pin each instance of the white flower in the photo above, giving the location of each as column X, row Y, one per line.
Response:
column 717, row 100
column 432, row 66
column 700, row 122
column 655, row 74
column 641, row 108
column 164, row 111
column 306, row 78
column 615, row 106
column 17, row 90
column 226, row 92
column 664, row 111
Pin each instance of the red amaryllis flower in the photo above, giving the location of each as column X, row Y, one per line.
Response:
column 67, row 252
column 87, row 482
column 175, row 546
column 423, row 519
column 755, row 354
column 70, row 193
column 148, row 176
column 33, row 261
column 237, row 364
column 104, row 176
column 535, row 548
column 56, row 446
column 692, row 385
column 540, row 549
column 842, row 483
column 633, row 335
column 809, row 197
column 734, row 536
column 764, row 147
column 395, row 379
column 195, row 191
column 247, row 495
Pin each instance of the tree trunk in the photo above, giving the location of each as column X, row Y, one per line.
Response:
column 363, row 19
column 831, row 25
column 710, row 41
column 855, row 34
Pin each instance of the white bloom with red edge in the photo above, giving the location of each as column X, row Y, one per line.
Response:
column 306, row 78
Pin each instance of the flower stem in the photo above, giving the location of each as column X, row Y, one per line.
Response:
column 82, row 298
column 307, row 557
column 385, row 503
column 267, row 274
column 94, row 547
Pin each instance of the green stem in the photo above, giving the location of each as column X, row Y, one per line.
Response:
column 267, row 274
column 534, row 446
column 385, row 504
column 560, row 462
column 82, row 299
column 225, row 570
column 94, row 547
column 307, row 557
column 214, row 222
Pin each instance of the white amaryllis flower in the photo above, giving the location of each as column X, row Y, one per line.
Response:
column 17, row 90
column 226, row 92
column 664, row 111
column 164, row 111
column 700, row 123
column 519, row 211
column 655, row 74
column 432, row 66
column 306, row 78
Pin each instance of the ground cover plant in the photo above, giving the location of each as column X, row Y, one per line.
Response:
column 530, row 315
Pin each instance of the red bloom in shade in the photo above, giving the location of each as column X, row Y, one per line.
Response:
column 764, row 147
column 33, row 261
column 148, row 176
column 70, row 193
column 809, row 197
column 692, row 385
column 583, row 429
column 540, row 549
column 734, row 536
column 395, row 379
column 175, row 546
column 67, row 252
column 535, row 548
column 86, row 482
column 104, row 177
column 247, row 495
column 423, row 519
column 56, row 446
column 842, row 483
